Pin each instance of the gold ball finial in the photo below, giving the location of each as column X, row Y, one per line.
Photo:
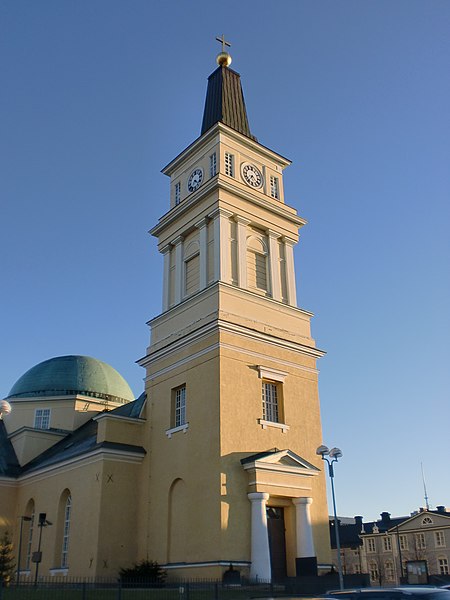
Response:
column 223, row 59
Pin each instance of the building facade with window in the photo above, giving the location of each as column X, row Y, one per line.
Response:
column 390, row 549
column 215, row 464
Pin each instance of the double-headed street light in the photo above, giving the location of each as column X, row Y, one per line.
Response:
column 333, row 454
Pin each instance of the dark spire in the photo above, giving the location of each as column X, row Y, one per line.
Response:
column 225, row 101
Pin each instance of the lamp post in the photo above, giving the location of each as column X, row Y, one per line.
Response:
column 334, row 454
column 22, row 519
column 37, row 556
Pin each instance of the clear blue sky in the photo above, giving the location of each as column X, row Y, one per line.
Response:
column 97, row 96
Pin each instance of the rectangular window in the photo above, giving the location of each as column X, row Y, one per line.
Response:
column 274, row 187
column 42, row 418
column 420, row 541
column 229, row 164
column 439, row 539
column 443, row 566
column 270, row 402
column 403, row 540
column 387, row 546
column 370, row 543
column 192, row 271
column 180, row 406
column 212, row 165
column 177, row 193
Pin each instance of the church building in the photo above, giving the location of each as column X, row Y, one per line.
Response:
column 214, row 464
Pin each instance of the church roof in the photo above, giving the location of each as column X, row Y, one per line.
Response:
column 70, row 375
column 225, row 102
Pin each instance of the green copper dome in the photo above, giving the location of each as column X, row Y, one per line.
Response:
column 69, row 375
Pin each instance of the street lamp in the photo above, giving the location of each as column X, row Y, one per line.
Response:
column 37, row 556
column 22, row 519
column 334, row 454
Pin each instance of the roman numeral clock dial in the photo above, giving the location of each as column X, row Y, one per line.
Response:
column 252, row 175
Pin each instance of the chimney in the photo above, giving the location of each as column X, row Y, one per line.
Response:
column 441, row 510
column 385, row 517
column 359, row 523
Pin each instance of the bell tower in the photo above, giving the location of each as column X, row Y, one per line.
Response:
column 231, row 379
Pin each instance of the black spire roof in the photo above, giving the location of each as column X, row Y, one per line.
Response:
column 225, row 102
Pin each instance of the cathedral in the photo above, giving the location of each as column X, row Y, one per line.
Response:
column 215, row 464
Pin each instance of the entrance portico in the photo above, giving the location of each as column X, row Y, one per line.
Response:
column 280, row 478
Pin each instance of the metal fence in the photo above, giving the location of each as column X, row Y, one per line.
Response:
column 84, row 589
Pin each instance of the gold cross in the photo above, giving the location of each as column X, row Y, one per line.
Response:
column 223, row 42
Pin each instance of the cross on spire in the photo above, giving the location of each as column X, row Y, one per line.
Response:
column 223, row 42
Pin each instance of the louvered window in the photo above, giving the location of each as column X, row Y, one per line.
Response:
column 256, row 270
column 177, row 193
column 229, row 164
column 212, row 164
column 192, row 270
column 274, row 187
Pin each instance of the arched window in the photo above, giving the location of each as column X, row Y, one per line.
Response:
column 373, row 571
column 27, row 532
column 257, row 259
column 192, row 268
column 427, row 521
column 66, row 532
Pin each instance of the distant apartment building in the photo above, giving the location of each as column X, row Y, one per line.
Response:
column 392, row 549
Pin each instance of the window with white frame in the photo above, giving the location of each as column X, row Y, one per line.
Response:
column 30, row 537
column 66, row 532
column 443, row 566
column 177, row 193
column 42, row 418
column 420, row 541
column 370, row 544
column 373, row 571
column 387, row 545
column 389, row 570
column 403, row 541
column 274, row 189
column 213, row 164
column 229, row 164
column 439, row 539
column 270, row 401
column 427, row 521
column 179, row 406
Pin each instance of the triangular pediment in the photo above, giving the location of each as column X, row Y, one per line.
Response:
column 280, row 460
column 424, row 520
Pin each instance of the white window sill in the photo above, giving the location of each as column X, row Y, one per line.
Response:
column 59, row 571
column 183, row 428
column 265, row 424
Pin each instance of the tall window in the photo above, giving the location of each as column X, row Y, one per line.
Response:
column 403, row 540
column 439, row 539
column 443, row 566
column 274, row 187
column 420, row 541
column 30, row 513
column 180, row 406
column 177, row 193
column 212, row 165
column 229, row 164
column 270, row 401
column 389, row 570
column 257, row 263
column 370, row 542
column 66, row 531
column 387, row 546
column 42, row 418
column 373, row 571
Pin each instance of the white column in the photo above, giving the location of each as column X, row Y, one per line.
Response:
column 242, row 251
column 166, row 276
column 260, row 554
column 203, row 240
column 178, row 243
column 305, row 543
column 221, row 244
column 274, row 262
column 290, row 271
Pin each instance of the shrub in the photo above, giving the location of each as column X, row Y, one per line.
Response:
column 143, row 574
column 6, row 559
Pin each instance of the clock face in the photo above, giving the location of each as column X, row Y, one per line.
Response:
column 195, row 180
column 252, row 175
